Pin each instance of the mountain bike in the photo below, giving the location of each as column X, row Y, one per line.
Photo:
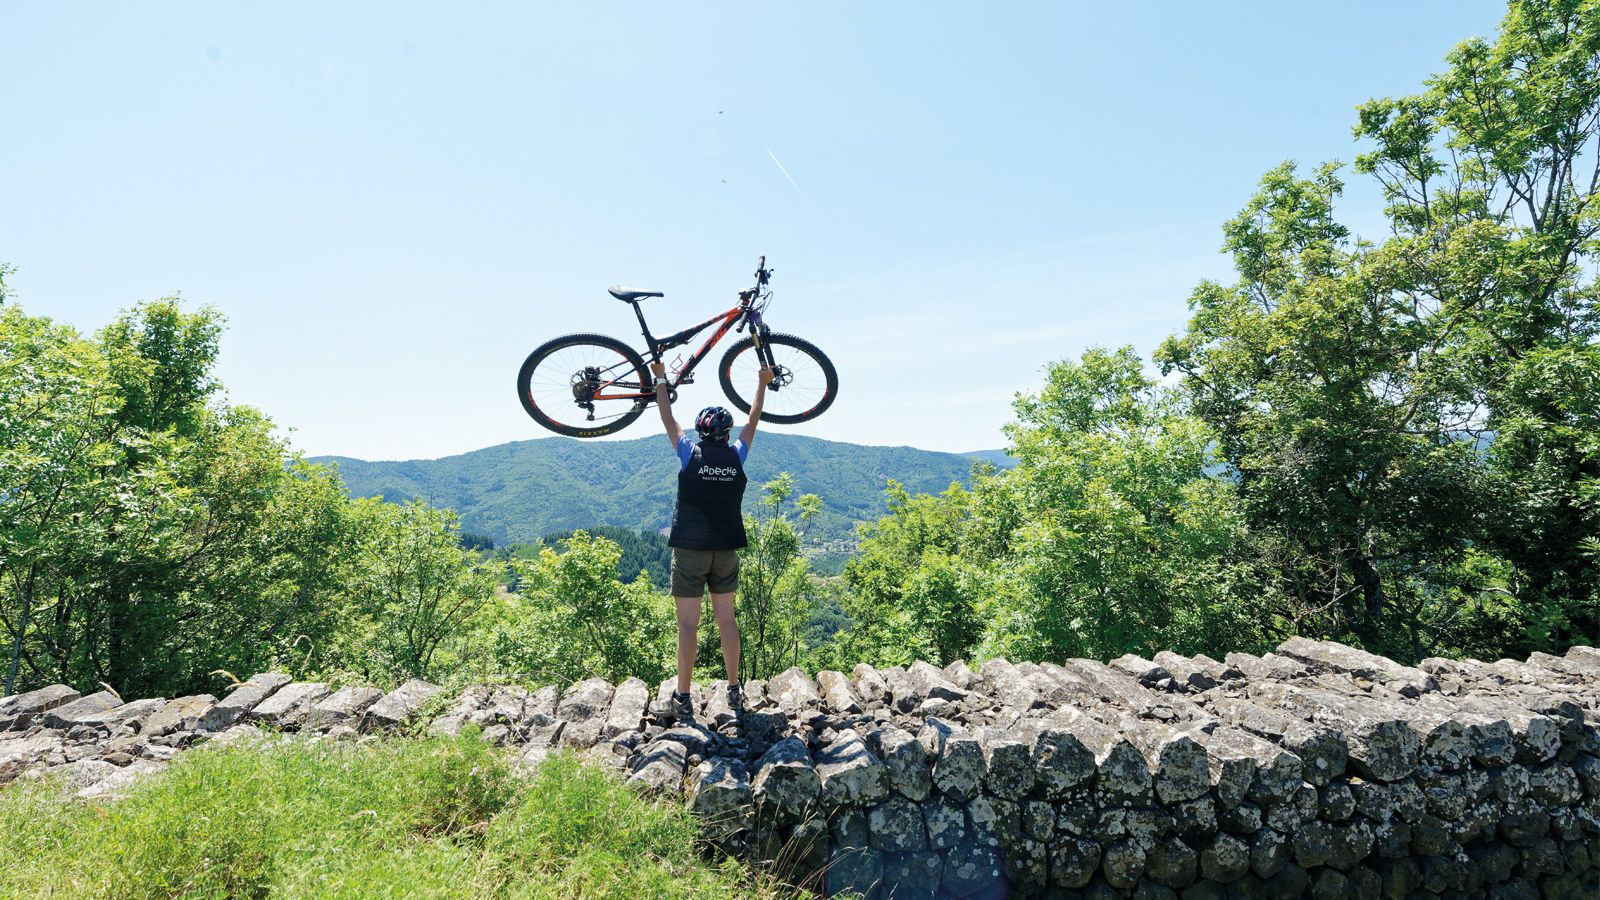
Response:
column 588, row 385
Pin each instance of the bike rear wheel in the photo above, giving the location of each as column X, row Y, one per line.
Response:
column 804, row 384
column 584, row 385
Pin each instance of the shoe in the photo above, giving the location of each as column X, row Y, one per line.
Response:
column 736, row 700
column 677, row 706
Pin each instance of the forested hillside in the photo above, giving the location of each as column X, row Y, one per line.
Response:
column 522, row 491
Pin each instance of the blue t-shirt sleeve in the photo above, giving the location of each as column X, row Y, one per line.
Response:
column 686, row 451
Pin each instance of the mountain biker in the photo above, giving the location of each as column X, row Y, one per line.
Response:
column 707, row 534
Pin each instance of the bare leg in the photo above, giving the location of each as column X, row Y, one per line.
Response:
column 688, row 625
column 728, row 630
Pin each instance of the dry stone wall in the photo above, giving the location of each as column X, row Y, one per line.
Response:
column 1316, row 771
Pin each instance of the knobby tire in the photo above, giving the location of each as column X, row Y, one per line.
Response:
column 565, row 342
column 823, row 394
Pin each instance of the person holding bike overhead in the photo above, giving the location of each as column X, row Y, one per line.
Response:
column 707, row 534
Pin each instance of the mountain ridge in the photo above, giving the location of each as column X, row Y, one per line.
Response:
column 523, row 490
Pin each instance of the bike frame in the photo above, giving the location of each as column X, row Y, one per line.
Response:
column 744, row 314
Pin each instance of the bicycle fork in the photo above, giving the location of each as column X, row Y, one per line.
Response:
column 764, row 355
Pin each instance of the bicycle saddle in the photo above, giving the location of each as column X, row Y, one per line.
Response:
column 629, row 294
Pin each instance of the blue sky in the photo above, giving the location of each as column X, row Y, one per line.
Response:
column 393, row 204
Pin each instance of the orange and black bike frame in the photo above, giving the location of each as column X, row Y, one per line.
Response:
column 741, row 315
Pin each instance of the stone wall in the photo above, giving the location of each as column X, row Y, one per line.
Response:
column 1317, row 771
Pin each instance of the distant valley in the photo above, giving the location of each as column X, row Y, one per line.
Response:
column 524, row 490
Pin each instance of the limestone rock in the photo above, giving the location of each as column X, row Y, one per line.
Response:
column 962, row 676
column 914, row 875
column 870, row 686
column 1332, row 657
column 232, row 709
column 342, row 708
column 172, row 716
column 959, row 769
column 929, row 683
column 1122, row 777
column 397, row 707
column 628, row 707
column 786, row 786
column 851, row 776
column 720, row 796
column 585, row 700
column 837, row 693
column 794, row 691
column 855, row 872
column 69, row 714
column 1073, row 862
column 1008, row 764
column 909, row 769
column 106, row 717
column 289, row 705
column 1061, row 762
column 896, row 826
column 659, row 768
column 19, row 710
column 1179, row 767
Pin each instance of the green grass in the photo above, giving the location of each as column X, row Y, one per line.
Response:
column 396, row 818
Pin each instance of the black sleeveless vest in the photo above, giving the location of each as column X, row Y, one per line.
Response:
column 710, row 493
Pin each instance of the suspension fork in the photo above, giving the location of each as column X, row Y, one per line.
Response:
column 757, row 329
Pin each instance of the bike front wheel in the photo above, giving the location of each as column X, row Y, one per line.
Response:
column 804, row 382
column 584, row 385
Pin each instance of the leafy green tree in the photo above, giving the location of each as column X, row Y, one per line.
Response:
column 1317, row 372
column 413, row 590
column 1491, row 180
column 577, row 619
column 910, row 595
column 161, row 360
column 644, row 553
column 1109, row 536
column 1412, row 423
column 146, row 550
column 55, row 450
column 776, row 589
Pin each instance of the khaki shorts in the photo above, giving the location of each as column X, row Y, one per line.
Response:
column 693, row 570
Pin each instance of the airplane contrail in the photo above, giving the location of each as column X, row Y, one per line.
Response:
column 788, row 176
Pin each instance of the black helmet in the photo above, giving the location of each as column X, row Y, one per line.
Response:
column 714, row 423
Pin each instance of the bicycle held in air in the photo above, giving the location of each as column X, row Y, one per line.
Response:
column 588, row 385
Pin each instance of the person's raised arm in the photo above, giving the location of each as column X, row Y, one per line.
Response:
column 664, row 403
column 748, row 432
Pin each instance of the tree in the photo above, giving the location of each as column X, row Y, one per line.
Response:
column 146, row 545
column 1319, row 374
column 776, row 590
column 1109, row 536
column 1491, row 175
column 577, row 619
column 910, row 594
column 412, row 588
column 55, row 449
column 1412, row 423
